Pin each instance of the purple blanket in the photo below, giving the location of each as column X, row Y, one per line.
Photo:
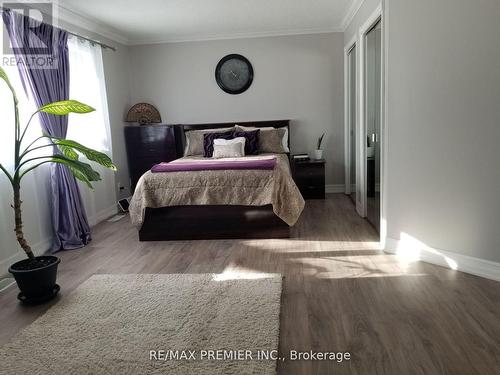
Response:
column 186, row 166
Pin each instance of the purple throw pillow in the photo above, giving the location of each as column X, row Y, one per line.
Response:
column 251, row 140
column 208, row 142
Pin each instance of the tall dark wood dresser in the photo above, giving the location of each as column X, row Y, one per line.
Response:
column 146, row 146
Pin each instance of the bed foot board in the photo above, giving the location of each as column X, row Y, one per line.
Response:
column 212, row 222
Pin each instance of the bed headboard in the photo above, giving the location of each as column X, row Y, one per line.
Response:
column 181, row 129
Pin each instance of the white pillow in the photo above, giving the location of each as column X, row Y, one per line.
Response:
column 229, row 148
column 284, row 140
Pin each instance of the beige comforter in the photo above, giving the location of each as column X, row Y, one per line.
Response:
column 250, row 187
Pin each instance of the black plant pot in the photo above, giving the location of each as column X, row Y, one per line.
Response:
column 36, row 278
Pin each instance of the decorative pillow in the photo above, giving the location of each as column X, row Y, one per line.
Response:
column 252, row 140
column 229, row 148
column 194, row 140
column 284, row 140
column 208, row 142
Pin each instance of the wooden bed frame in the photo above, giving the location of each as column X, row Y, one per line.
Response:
column 213, row 221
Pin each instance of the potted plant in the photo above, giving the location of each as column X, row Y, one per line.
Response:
column 36, row 275
column 318, row 153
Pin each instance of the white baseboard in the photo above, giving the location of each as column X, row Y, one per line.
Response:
column 415, row 251
column 6, row 282
column 41, row 247
column 102, row 215
column 337, row 188
column 340, row 188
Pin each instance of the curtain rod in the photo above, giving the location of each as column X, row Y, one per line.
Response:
column 103, row 45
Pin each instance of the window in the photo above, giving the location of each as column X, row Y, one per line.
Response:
column 87, row 85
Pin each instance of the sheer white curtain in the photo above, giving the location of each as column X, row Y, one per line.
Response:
column 26, row 108
column 87, row 85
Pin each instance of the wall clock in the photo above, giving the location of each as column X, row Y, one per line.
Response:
column 234, row 74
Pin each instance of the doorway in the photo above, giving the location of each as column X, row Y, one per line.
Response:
column 372, row 66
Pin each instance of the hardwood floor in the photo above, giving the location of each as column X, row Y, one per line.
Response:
column 340, row 294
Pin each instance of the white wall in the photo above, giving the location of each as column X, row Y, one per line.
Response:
column 296, row 77
column 443, row 124
column 116, row 71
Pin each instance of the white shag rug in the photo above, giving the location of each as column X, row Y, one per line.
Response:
column 111, row 323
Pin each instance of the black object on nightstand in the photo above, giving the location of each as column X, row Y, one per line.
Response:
column 148, row 145
column 309, row 175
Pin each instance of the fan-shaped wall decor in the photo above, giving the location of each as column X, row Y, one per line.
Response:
column 143, row 113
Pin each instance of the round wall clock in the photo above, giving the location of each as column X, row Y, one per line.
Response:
column 234, row 74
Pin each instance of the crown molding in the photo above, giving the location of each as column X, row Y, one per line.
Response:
column 351, row 13
column 229, row 36
column 75, row 19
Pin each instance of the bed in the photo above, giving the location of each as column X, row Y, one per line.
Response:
column 215, row 204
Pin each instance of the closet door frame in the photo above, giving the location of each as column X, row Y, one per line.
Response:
column 347, row 113
column 361, row 203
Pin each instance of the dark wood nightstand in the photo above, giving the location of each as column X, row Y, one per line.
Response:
column 309, row 175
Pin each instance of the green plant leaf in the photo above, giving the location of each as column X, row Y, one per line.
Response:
column 69, row 149
column 3, row 75
column 68, row 152
column 82, row 171
column 79, row 175
column 65, row 107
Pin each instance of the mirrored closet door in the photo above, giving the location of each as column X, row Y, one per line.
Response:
column 373, row 74
column 351, row 97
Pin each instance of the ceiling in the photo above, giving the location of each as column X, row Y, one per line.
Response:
column 157, row 21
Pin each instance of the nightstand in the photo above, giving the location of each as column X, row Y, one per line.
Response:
column 309, row 175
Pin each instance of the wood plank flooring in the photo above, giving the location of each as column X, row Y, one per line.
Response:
column 340, row 294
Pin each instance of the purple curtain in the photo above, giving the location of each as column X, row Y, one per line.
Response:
column 48, row 85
